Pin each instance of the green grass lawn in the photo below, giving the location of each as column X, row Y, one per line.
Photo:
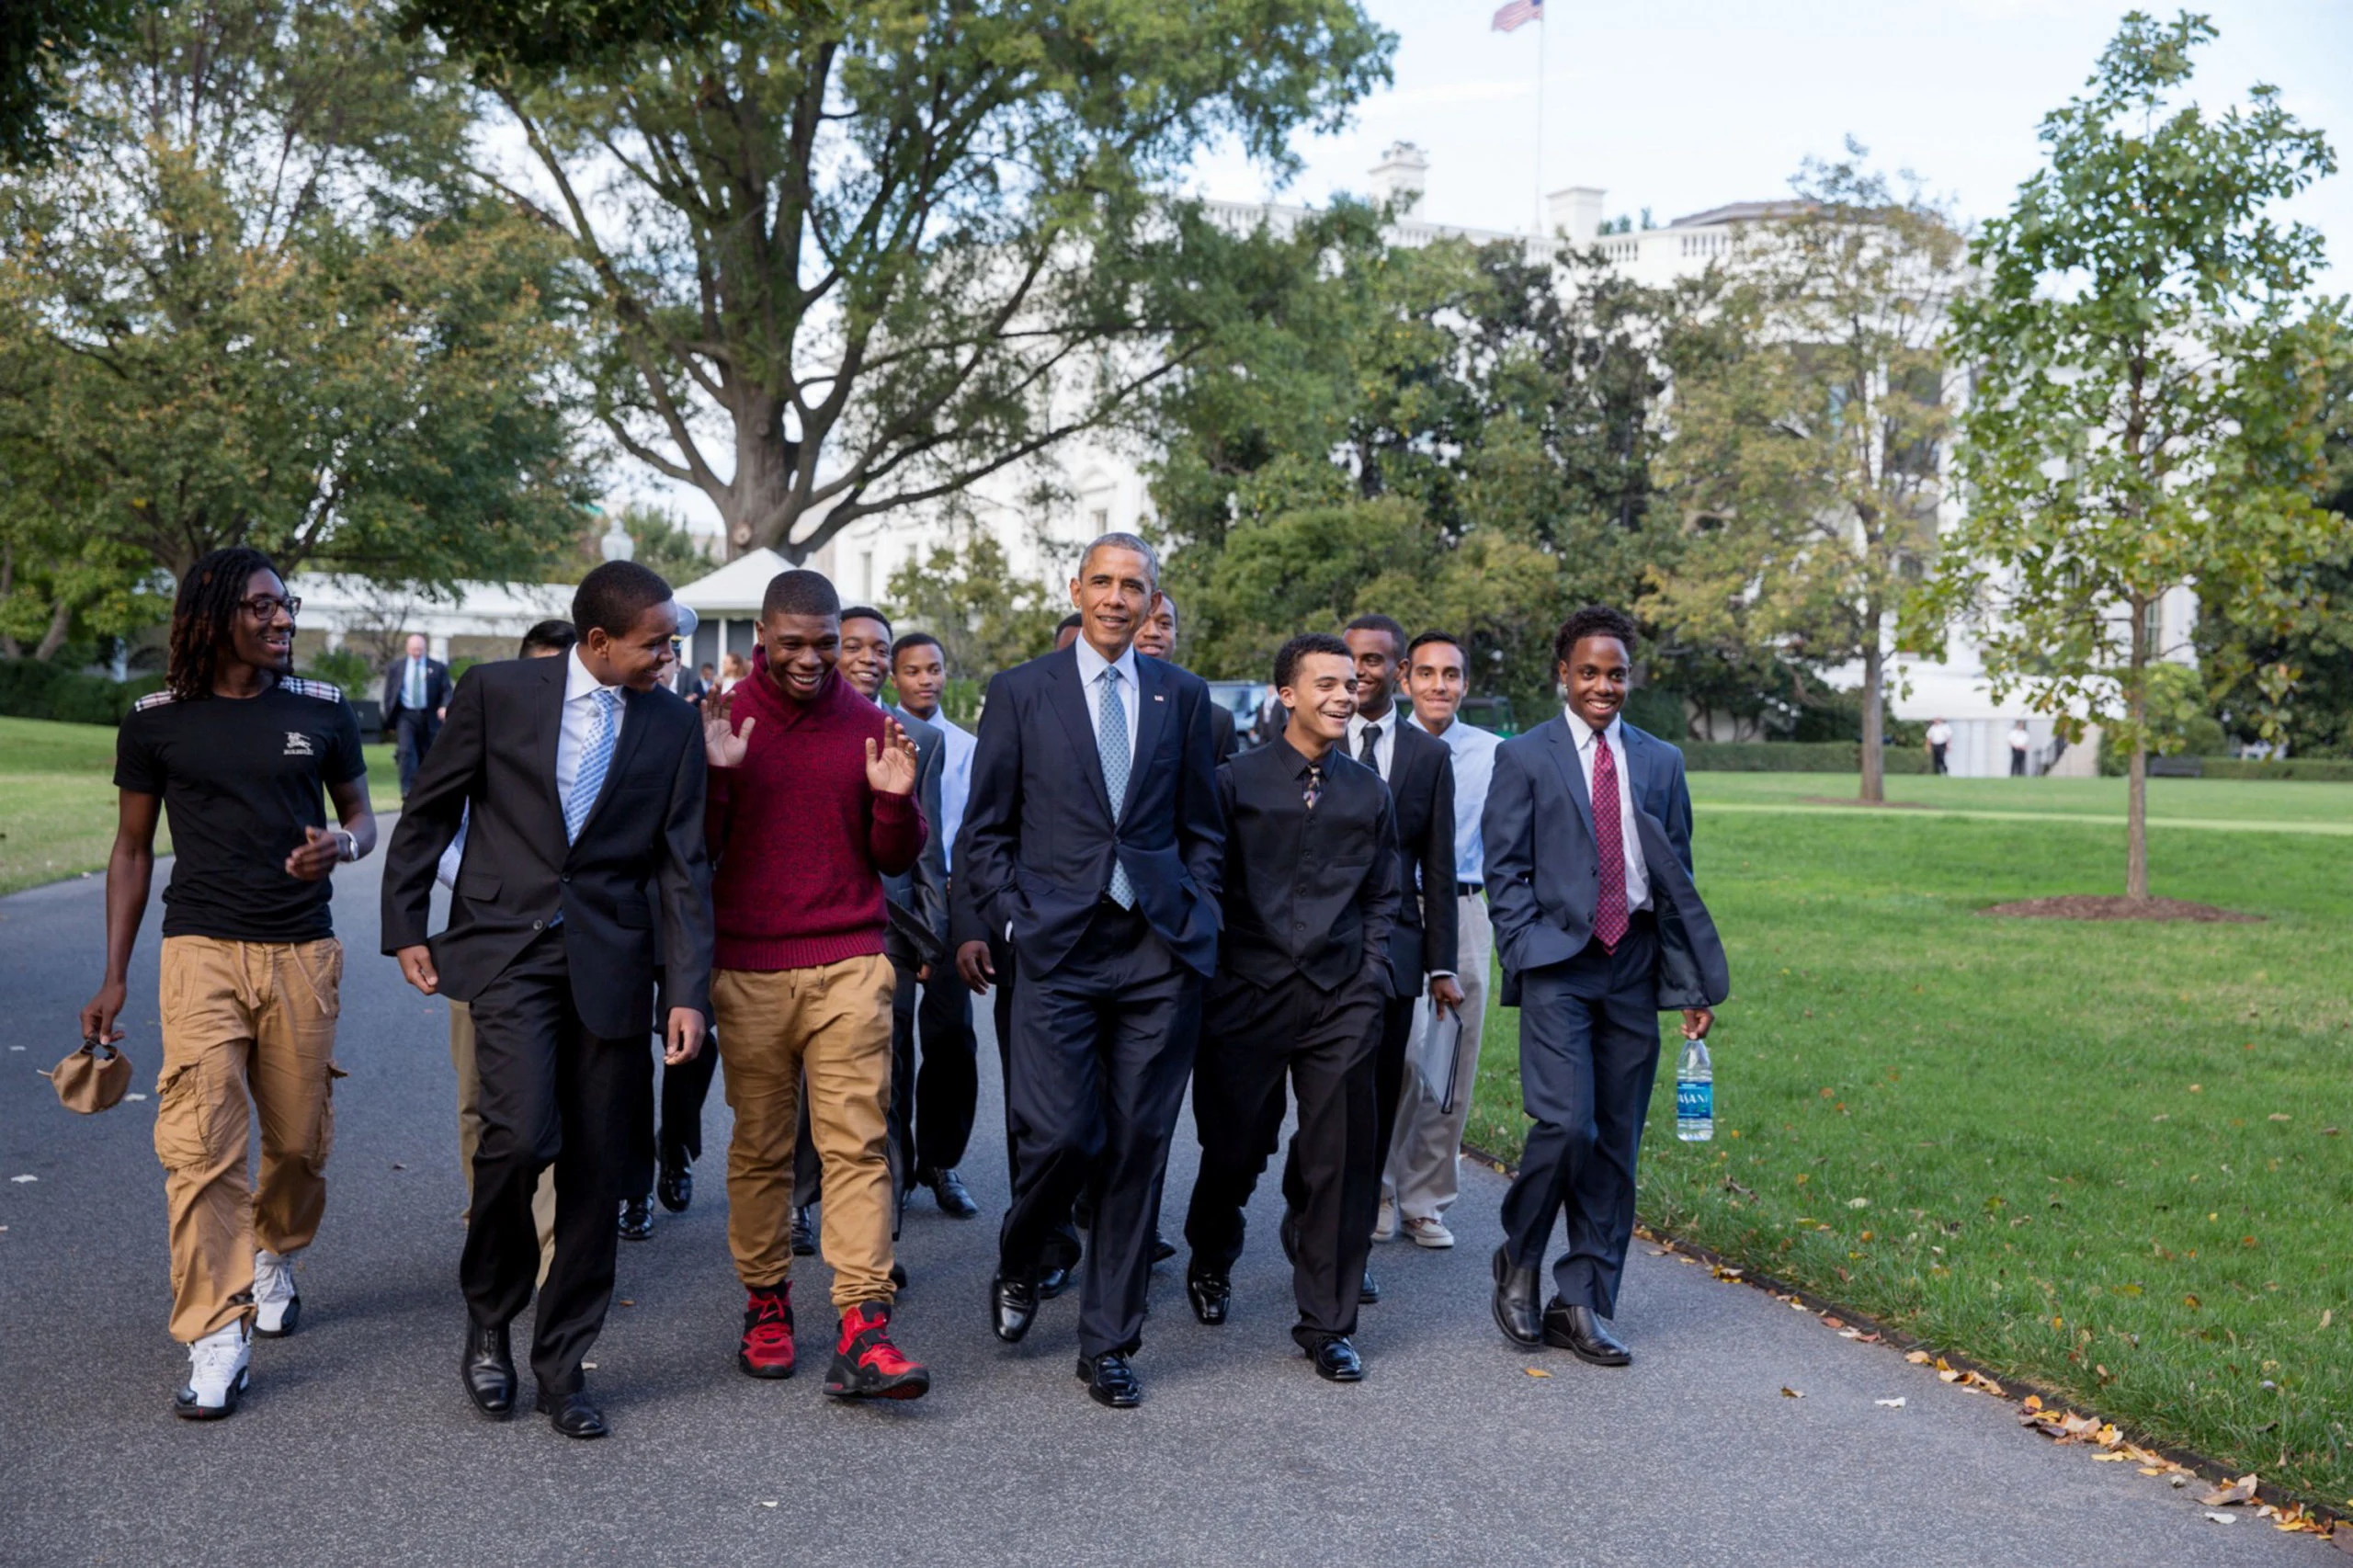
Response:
column 2104, row 1156
column 57, row 804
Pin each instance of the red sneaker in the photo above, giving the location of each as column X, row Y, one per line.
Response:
column 767, row 1347
column 867, row 1365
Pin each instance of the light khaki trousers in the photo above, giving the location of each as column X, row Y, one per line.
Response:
column 832, row 1023
column 461, row 1057
column 248, row 1030
column 1421, row 1175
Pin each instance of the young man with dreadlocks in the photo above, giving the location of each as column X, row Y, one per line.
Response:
column 239, row 751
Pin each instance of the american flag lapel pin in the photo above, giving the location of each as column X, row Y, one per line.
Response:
column 1157, row 697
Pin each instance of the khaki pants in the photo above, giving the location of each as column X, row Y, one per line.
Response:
column 1421, row 1176
column 461, row 1057
column 833, row 1023
column 248, row 1027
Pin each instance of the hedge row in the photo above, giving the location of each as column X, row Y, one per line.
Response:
column 32, row 688
column 2314, row 770
column 1792, row 756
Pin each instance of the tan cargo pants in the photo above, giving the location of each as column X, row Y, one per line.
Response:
column 832, row 1021
column 248, row 1027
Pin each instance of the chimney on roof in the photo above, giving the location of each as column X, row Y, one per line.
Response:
column 1575, row 211
column 1402, row 174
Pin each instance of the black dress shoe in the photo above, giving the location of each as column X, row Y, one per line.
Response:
column 1211, row 1294
column 675, row 1187
column 488, row 1367
column 1336, row 1361
column 1516, row 1301
column 1111, row 1381
column 637, row 1219
column 955, row 1197
column 1288, row 1233
column 1053, row 1282
column 1162, row 1249
column 1370, row 1291
column 804, row 1234
column 1013, row 1307
column 899, row 1275
column 572, row 1415
column 1581, row 1333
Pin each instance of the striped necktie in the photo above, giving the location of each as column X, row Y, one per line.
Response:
column 1112, row 740
column 589, row 782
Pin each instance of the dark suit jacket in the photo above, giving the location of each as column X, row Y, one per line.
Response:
column 436, row 687
column 1421, row 781
column 1307, row 893
column 1221, row 731
column 1542, row 885
column 1037, row 842
column 638, row 864
column 918, row 929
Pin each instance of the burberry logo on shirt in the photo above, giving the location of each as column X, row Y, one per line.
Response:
column 297, row 744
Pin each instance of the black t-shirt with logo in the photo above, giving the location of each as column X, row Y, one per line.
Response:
column 241, row 778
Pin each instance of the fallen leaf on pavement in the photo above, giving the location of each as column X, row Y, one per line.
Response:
column 22, row 1179
column 1787, row 1392
column 1918, row 1357
column 766, row 1503
column 2033, row 1401
column 2222, row 1519
column 1538, row 1372
column 2238, row 1491
column 134, row 1096
column 1896, row 1403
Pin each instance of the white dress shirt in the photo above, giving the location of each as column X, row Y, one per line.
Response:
column 1638, row 875
column 1474, row 769
column 1385, row 747
column 580, row 689
column 955, row 776
column 1091, row 665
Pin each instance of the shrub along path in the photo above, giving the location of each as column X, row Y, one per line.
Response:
column 2114, row 1157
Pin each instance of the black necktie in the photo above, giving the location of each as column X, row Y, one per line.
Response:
column 1365, row 752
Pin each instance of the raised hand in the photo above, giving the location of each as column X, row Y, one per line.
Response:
column 890, row 766
column 720, row 744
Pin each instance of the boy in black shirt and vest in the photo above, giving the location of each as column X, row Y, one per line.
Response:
column 239, row 751
column 1311, row 892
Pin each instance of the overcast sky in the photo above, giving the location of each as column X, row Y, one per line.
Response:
column 1683, row 105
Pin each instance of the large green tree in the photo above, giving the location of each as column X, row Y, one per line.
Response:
column 2149, row 377
column 261, row 310
column 854, row 260
column 1808, row 426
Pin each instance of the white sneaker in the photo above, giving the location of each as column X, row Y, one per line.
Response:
column 276, row 1304
column 1384, row 1224
column 216, row 1375
column 1428, row 1231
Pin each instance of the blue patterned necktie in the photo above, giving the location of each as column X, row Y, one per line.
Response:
column 589, row 780
column 414, row 696
column 1112, row 740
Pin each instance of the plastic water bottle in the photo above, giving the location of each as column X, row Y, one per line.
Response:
column 1695, row 1094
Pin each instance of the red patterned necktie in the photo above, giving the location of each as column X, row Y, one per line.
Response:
column 1609, row 843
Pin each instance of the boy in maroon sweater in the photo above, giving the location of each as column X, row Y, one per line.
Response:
column 812, row 804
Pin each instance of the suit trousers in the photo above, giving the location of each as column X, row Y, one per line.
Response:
column 552, row 1094
column 1102, row 1045
column 684, row 1089
column 413, row 732
column 461, row 1059
column 1252, row 1038
column 1423, row 1151
column 947, row 1086
column 1588, row 1056
column 1388, row 1084
column 1062, row 1248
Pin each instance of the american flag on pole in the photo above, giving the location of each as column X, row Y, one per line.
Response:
column 1518, row 14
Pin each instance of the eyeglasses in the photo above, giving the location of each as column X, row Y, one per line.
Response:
column 262, row 607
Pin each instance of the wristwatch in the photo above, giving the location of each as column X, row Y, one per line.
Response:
column 350, row 845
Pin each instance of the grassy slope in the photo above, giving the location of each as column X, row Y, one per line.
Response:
column 57, row 810
column 2097, row 1155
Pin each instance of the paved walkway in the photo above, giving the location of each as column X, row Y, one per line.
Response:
column 357, row 1447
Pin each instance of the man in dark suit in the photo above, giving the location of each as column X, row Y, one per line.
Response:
column 1420, row 773
column 1093, row 833
column 581, row 783
column 1589, row 871
column 417, row 696
column 1158, row 639
column 1310, row 890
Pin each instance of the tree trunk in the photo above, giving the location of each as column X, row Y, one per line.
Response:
column 9, row 646
column 53, row 639
column 1874, row 787
column 2136, row 797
